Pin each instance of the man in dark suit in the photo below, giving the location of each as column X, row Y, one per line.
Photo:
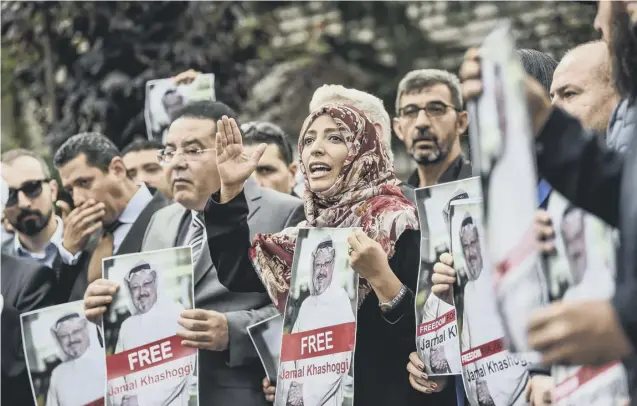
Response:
column 229, row 369
column 25, row 285
column 111, row 210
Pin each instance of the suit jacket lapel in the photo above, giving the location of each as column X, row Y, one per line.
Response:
column 253, row 196
column 204, row 263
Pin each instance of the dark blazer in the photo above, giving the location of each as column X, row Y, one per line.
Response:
column 231, row 377
column 74, row 278
column 25, row 285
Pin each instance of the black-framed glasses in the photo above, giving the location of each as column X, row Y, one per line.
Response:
column 432, row 109
column 166, row 156
column 31, row 189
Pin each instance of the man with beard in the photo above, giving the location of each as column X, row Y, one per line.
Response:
column 81, row 364
column 600, row 180
column 430, row 120
column 29, row 208
column 154, row 317
column 328, row 305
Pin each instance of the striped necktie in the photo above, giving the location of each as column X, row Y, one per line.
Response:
column 196, row 236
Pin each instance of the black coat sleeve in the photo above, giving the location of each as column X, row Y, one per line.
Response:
column 229, row 243
column 579, row 166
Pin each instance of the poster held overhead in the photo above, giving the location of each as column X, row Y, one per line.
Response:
column 319, row 324
column 583, row 269
column 145, row 361
column 164, row 98
column 64, row 356
column 509, row 185
column 436, row 317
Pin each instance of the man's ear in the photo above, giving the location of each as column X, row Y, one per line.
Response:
column 463, row 123
column 397, row 130
column 55, row 188
column 117, row 167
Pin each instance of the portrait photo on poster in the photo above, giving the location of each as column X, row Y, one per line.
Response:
column 64, row 352
column 145, row 360
column 491, row 375
column 583, row 269
column 266, row 337
column 436, row 317
column 164, row 98
column 509, row 185
column 319, row 324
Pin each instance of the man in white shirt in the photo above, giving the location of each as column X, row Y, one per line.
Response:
column 30, row 208
column 154, row 317
column 327, row 305
column 80, row 378
column 111, row 211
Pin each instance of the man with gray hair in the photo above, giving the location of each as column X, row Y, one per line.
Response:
column 370, row 105
column 430, row 120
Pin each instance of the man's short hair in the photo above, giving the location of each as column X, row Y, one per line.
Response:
column 256, row 132
column 10, row 156
column 205, row 110
column 539, row 65
column 142, row 145
column 98, row 149
column 417, row 80
column 605, row 70
column 366, row 102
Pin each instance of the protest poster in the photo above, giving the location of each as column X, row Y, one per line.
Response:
column 437, row 329
column 583, row 269
column 145, row 361
column 266, row 337
column 164, row 98
column 64, row 356
column 509, row 185
column 492, row 375
column 319, row 322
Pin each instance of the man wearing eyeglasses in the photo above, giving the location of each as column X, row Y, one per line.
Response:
column 30, row 208
column 228, row 363
column 277, row 168
column 430, row 120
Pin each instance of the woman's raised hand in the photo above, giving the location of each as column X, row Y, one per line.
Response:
column 233, row 164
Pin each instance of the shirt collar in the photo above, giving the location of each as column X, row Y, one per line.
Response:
column 56, row 240
column 136, row 205
column 452, row 173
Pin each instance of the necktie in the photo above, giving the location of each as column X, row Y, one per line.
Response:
column 196, row 236
column 110, row 228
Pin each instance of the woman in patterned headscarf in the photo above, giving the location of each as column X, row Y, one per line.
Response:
column 350, row 182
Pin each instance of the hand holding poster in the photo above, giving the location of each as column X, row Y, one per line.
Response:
column 266, row 337
column 583, row 269
column 437, row 329
column 145, row 361
column 492, row 375
column 164, row 98
column 64, row 356
column 509, row 183
column 319, row 324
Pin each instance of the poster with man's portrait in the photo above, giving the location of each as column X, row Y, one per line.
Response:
column 64, row 356
column 319, row 324
column 509, row 185
column 164, row 98
column 266, row 337
column 583, row 269
column 492, row 375
column 436, row 317
column 145, row 361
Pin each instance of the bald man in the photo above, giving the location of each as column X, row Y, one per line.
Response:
column 582, row 85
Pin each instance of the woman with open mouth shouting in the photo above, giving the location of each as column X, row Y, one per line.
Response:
column 349, row 182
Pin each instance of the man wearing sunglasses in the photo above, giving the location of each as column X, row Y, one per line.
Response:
column 30, row 208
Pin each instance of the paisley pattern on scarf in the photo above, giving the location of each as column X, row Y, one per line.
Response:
column 366, row 194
